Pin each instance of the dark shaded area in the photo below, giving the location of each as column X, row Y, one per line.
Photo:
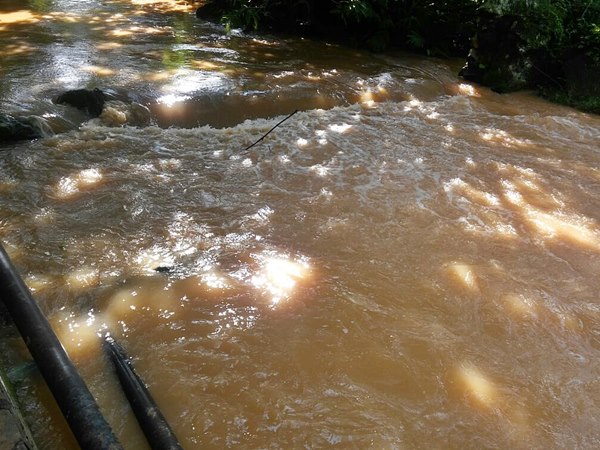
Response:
column 436, row 28
column 553, row 47
column 496, row 62
column 302, row 17
column 14, row 431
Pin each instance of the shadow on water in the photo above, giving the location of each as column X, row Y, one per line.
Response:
column 189, row 72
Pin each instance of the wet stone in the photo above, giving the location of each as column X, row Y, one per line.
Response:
column 14, row 433
column 90, row 100
column 18, row 128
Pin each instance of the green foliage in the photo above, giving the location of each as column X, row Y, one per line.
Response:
column 245, row 14
column 441, row 27
column 557, row 42
column 554, row 25
column 41, row 6
column 550, row 44
column 358, row 11
column 590, row 41
column 589, row 103
column 415, row 40
column 582, row 29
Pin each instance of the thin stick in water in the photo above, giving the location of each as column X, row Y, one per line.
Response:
column 269, row 132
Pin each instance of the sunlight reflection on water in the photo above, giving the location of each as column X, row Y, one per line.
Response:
column 279, row 276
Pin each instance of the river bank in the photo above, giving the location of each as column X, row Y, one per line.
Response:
column 552, row 48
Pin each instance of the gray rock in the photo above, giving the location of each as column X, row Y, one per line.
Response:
column 19, row 128
column 14, row 432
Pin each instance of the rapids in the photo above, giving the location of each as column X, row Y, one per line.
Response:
column 409, row 261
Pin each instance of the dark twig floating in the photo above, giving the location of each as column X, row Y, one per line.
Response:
column 269, row 132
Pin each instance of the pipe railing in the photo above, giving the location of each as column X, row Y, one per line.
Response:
column 90, row 428
column 159, row 434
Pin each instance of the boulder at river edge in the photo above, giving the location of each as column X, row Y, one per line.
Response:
column 19, row 128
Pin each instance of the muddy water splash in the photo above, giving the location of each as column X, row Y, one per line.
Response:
column 409, row 262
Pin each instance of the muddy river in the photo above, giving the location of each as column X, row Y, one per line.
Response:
column 409, row 261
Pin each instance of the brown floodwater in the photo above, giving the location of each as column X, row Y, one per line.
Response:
column 409, row 261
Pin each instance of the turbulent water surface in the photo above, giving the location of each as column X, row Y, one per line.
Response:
column 407, row 262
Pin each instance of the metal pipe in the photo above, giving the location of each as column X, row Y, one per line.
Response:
column 72, row 395
column 159, row 434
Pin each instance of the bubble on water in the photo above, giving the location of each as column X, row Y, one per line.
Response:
column 468, row 90
column 320, row 170
column 324, row 192
column 89, row 176
column 71, row 185
column 341, row 128
column 67, row 186
column 157, row 256
column 45, row 216
column 263, row 214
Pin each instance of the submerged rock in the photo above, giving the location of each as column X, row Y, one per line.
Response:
column 113, row 108
column 90, row 100
column 119, row 113
column 21, row 128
